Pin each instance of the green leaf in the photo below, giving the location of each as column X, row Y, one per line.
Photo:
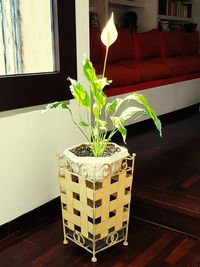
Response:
column 120, row 101
column 58, row 105
column 55, row 105
column 140, row 99
column 79, row 93
column 83, row 124
column 119, row 124
column 97, row 91
column 102, row 82
column 129, row 112
column 102, row 124
column 111, row 106
column 143, row 101
column 96, row 85
column 99, row 101
column 96, row 111
column 89, row 70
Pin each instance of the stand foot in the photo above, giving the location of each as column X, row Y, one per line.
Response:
column 125, row 243
column 65, row 241
column 94, row 259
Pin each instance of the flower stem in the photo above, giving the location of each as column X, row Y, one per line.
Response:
column 105, row 61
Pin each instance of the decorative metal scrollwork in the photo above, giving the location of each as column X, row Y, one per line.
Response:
column 94, row 172
column 79, row 238
column 68, row 164
column 112, row 239
column 123, row 164
column 105, row 170
column 83, row 170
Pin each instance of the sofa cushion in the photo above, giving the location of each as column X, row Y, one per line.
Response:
column 172, row 43
column 95, row 45
column 121, row 49
column 147, row 44
column 119, row 74
column 191, row 41
column 175, row 66
column 192, row 63
column 148, row 70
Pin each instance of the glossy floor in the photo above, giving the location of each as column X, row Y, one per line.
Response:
column 167, row 173
column 149, row 245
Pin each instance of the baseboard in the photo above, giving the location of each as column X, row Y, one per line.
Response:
column 165, row 217
column 33, row 220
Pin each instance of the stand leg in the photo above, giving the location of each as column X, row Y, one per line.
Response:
column 125, row 243
column 94, row 259
column 65, row 241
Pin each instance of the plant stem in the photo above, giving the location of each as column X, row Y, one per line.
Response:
column 105, row 60
column 107, row 141
column 79, row 128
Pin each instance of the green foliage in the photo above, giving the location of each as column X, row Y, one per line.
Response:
column 80, row 94
column 117, row 112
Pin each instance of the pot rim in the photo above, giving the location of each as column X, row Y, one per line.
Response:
column 118, row 155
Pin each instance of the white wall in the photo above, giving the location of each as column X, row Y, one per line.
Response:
column 29, row 142
column 147, row 17
column 196, row 13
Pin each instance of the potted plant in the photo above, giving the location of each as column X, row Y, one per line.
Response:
column 96, row 177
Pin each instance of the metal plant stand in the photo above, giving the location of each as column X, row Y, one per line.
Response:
column 96, row 213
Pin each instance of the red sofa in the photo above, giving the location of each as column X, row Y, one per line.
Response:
column 139, row 61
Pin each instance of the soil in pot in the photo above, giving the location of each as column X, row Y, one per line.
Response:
column 85, row 150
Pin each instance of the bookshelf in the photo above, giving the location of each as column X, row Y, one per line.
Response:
column 174, row 18
column 173, row 14
column 176, row 8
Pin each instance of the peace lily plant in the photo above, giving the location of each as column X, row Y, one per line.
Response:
column 97, row 134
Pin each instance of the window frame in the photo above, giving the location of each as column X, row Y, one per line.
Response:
column 20, row 91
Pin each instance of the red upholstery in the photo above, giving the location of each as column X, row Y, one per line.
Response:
column 172, row 43
column 119, row 74
column 175, row 66
column 122, row 48
column 148, row 70
column 191, row 41
column 95, row 45
column 192, row 63
column 147, row 44
column 143, row 60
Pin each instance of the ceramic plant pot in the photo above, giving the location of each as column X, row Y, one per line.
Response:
column 96, row 168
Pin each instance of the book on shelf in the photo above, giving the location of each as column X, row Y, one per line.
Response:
column 162, row 7
column 163, row 25
column 175, row 8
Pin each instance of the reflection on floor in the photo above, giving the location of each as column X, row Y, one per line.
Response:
column 167, row 174
column 149, row 245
